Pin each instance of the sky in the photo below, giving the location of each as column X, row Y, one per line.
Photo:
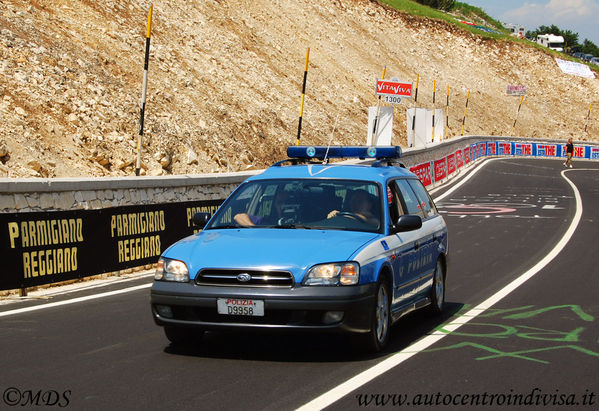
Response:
column 579, row 16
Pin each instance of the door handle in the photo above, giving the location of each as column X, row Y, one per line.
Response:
column 416, row 245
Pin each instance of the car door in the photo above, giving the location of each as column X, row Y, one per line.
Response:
column 432, row 240
column 403, row 246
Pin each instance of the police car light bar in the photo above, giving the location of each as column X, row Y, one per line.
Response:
column 322, row 152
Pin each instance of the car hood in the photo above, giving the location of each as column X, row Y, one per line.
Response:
column 293, row 250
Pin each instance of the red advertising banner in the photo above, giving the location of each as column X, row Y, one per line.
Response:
column 440, row 169
column 523, row 149
column 548, row 150
column 467, row 155
column 451, row 164
column 578, row 151
column 459, row 158
column 393, row 88
column 482, row 150
column 491, row 149
column 423, row 171
column 504, row 148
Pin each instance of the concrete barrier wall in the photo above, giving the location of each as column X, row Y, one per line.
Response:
column 59, row 194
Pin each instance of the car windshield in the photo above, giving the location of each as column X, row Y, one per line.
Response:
column 302, row 204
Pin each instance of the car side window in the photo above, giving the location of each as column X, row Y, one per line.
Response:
column 409, row 201
column 394, row 202
column 424, row 198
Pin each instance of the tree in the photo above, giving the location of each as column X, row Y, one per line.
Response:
column 553, row 29
column 570, row 38
column 588, row 47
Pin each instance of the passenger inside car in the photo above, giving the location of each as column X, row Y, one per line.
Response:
column 276, row 212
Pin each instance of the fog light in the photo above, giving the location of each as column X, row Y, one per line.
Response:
column 164, row 311
column 332, row 317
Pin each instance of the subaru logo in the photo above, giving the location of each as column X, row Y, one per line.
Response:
column 244, row 277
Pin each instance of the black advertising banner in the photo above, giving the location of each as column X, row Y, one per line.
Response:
column 48, row 247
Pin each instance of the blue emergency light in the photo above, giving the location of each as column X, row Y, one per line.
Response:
column 322, row 152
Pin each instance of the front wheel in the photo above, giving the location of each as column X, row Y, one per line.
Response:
column 437, row 295
column 378, row 336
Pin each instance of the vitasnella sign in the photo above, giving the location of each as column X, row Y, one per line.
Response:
column 47, row 247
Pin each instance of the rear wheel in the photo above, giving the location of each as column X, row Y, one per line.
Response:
column 378, row 336
column 438, row 289
column 182, row 335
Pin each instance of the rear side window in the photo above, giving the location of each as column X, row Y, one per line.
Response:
column 424, row 199
column 410, row 202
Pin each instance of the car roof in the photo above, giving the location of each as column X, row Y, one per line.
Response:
column 363, row 171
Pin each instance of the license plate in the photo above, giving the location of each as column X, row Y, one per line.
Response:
column 240, row 306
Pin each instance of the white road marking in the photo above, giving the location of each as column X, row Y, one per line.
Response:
column 394, row 360
column 463, row 181
column 73, row 300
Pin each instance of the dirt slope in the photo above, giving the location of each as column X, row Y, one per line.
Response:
column 225, row 80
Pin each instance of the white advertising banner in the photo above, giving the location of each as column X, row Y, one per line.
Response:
column 576, row 69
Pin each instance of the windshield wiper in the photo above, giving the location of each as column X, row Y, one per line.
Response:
column 230, row 226
column 307, row 227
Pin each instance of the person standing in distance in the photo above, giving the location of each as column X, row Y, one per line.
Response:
column 569, row 153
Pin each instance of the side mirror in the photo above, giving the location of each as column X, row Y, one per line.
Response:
column 201, row 219
column 407, row 222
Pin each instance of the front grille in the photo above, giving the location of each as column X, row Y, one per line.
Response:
column 257, row 278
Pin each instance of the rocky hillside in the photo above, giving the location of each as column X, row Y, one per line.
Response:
column 225, row 82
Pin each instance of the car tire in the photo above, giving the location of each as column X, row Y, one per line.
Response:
column 378, row 336
column 437, row 295
column 182, row 335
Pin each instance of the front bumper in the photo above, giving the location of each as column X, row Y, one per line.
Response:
column 297, row 308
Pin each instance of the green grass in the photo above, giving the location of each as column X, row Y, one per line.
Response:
column 475, row 13
column 418, row 9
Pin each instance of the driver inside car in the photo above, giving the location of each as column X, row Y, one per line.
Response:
column 362, row 206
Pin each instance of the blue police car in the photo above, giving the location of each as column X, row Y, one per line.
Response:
column 309, row 245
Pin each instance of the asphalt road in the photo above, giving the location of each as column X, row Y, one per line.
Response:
column 534, row 346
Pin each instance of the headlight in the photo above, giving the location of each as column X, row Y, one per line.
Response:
column 333, row 274
column 171, row 270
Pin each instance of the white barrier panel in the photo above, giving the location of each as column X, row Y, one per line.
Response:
column 384, row 127
column 421, row 134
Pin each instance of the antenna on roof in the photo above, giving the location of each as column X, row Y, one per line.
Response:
column 325, row 160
